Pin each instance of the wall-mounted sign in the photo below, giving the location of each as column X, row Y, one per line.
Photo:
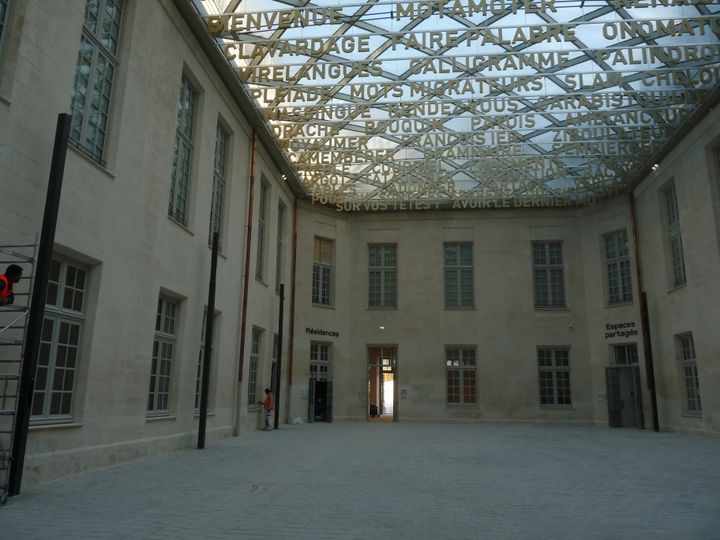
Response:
column 321, row 332
column 620, row 330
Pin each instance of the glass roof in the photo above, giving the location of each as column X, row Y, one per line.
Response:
column 471, row 102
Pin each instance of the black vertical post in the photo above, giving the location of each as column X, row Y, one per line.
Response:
column 278, row 371
column 37, row 303
column 207, row 348
column 649, row 364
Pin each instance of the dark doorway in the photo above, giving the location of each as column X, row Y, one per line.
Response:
column 624, row 396
column 320, row 401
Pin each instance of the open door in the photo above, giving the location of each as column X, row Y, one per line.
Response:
column 382, row 384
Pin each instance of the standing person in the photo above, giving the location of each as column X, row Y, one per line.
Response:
column 268, row 407
column 12, row 275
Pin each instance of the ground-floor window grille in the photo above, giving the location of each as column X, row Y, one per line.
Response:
column 554, row 376
column 60, row 342
column 690, row 375
column 162, row 356
column 319, row 362
column 57, row 363
column 461, row 380
column 253, row 367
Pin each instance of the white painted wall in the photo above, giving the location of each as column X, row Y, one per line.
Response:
column 113, row 219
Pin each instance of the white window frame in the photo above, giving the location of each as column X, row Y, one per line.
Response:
column 459, row 271
column 676, row 255
column 549, row 269
column 558, row 371
column 217, row 205
column 692, row 403
column 256, row 349
column 461, row 361
column 320, row 354
column 180, row 181
column 162, row 364
column 625, row 354
column 6, row 7
column 60, row 313
column 618, row 273
column 322, row 276
column 262, row 229
column 382, row 277
column 100, row 54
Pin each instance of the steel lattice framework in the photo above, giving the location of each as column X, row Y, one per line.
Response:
column 439, row 101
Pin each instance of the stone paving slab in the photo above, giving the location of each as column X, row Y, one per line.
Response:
column 395, row 481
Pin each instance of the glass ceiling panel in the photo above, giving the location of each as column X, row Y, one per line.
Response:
column 557, row 101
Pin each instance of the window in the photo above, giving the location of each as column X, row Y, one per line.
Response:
column 96, row 67
column 60, row 342
column 554, row 375
column 458, row 275
column 548, row 274
column 255, row 349
column 218, row 192
column 262, row 219
column 319, row 362
column 180, row 181
column 201, row 360
column 460, row 363
column 690, row 374
column 162, row 356
column 4, row 16
column 4, row 19
column 677, row 259
column 626, row 355
column 280, row 244
column 382, row 269
column 322, row 271
column 617, row 264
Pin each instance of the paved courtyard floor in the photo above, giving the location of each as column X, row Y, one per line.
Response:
column 377, row 481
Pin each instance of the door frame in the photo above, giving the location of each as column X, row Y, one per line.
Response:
column 369, row 364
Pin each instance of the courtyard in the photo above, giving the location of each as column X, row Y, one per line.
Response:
column 403, row 480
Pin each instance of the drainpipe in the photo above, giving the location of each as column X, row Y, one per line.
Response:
column 248, row 239
column 644, row 319
column 292, row 307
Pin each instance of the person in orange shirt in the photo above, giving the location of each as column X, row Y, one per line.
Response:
column 268, row 407
column 11, row 276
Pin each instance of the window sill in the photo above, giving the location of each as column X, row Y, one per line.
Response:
column 196, row 414
column 382, row 308
column 459, row 308
column 261, row 282
column 557, row 407
column 687, row 414
column 42, row 425
column 676, row 287
column 221, row 253
column 183, row 227
column 323, row 306
column 619, row 305
column 463, row 405
column 254, row 408
column 551, row 309
column 91, row 161
column 159, row 417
